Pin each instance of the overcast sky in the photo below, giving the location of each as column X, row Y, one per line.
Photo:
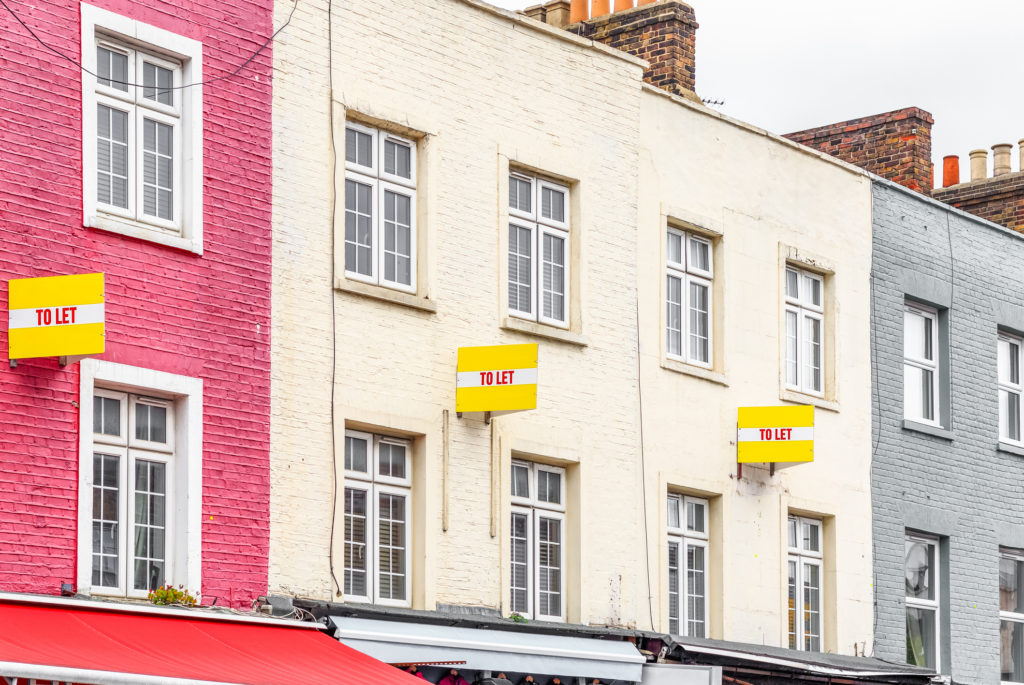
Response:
column 795, row 64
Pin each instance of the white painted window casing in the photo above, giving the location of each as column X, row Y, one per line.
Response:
column 921, row 568
column 688, row 601
column 140, row 480
column 380, row 207
column 1010, row 388
column 537, row 541
column 538, row 250
column 920, row 364
column 804, row 570
column 688, row 297
column 1011, row 615
column 805, row 331
column 142, row 130
column 378, row 521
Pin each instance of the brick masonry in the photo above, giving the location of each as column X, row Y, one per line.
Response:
column 895, row 145
column 203, row 316
column 663, row 33
column 999, row 199
column 959, row 487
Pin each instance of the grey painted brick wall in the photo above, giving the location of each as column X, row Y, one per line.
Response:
column 960, row 487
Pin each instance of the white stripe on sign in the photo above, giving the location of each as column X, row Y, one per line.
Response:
column 776, row 434
column 48, row 317
column 494, row 379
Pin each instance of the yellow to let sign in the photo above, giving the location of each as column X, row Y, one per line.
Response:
column 775, row 434
column 56, row 316
column 496, row 378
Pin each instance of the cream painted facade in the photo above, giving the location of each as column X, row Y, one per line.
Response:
column 765, row 203
column 481, row 92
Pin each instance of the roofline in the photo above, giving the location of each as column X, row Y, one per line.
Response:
column 202, row 613
column 561, row 34
column 802, row 665
column 939, row 204
column 750, row 128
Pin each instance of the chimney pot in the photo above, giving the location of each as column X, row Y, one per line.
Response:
column 950, row 170
column 1001, row 159
column 623, row 5
column 979, row 164
column 578, row 11
column 599, row 8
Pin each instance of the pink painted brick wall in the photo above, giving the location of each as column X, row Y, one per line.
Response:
column 166, row 309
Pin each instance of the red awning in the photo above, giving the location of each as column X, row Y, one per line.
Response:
column 102, row 645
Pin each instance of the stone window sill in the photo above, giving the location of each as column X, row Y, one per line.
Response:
column 1010, row 448
column 511, row 323
column 134, row 229
column 804, row 398
column 377, row 292
column 695, row 371
column 936, row 431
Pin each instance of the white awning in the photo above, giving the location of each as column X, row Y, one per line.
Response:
column 398, row 642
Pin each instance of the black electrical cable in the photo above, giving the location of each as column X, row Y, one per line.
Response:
column 643, row 464
column 222, row 77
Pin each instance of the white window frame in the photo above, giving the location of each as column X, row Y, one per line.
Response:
column 535, row 509
column 540, row 226
column 803, row 557
column 802, row 306
column 931, row 316
column 929, row 604
column 1016, row 556
column 381, row 183
column 687, row 272
column 185, row 57
column 183, row 453
column 1007, row 361
column 373, row 484
column 685, row 539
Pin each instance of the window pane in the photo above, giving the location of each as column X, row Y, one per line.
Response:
column 918, row 393
column 921, row 637
column 355, row 542
column 812, row 290
column 397, row 238
column 792, row 281
column 674, row 248
column 112, row 69
column 549, row 567
column 1011, row 585
column 792, row 604
column 397, row 159
column 1014, row 363
column 696, row 590
column 554, row 277
column 392, row 552
column 695, row 515
column 811, row 536
column 673, row 588
column 105, row 520
column 156, row 84
column 812, row 353
column 1011, row 657
column 520, row 194
column 150, row 423
column 549, row 486
column 520, row 546
column 392, row 460
column 812, row 607
column 358, row 147
column 700, row 254
column 106, row 415
column 520, row 269
column 917, row 336
column 1010, row 404
column 157, row 169
column 699, row 320
column 792, row 531
column 673, row 512
column 1008, row 362
column 112, row 156
column 674, row 315
column 920, row 560
column 552, row 204
column 150, row 524
column 355, row 454
column 358, row 227
column 520, row 480
column 792, row 364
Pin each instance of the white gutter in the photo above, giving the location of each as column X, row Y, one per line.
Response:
column 202, row 613
column 790, row 663
column 10, row 669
